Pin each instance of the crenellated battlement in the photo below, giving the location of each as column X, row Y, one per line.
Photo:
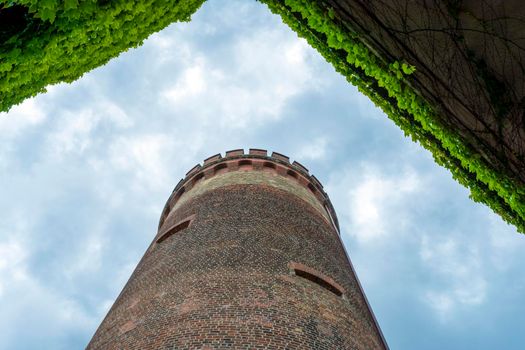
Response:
column 255, row 160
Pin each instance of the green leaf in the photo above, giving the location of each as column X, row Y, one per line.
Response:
column 70, row 4
column 408, row 69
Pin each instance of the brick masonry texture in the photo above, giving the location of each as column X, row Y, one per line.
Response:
column 227, row 281
column 255, row 178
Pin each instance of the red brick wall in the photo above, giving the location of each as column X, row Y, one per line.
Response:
column 227, row 281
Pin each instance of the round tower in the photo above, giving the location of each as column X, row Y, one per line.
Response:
column 247, row 256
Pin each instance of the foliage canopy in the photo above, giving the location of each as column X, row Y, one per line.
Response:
column 61, row 40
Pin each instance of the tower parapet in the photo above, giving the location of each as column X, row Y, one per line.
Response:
column 255, row 160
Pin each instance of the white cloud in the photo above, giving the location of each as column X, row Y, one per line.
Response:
column 145, row 157
column 27, row 114
column 29, row 303
column 168, row 47
column 20, row 120
column 375, row 202
column 315, row 149
column 296, row 53
column 73, row 129
column 459, row 268
column 89, row 257
column 12, row 257
column 73, row 135
column 191, row 84
column 113, row 114
column 266, row 69
column 505, row 244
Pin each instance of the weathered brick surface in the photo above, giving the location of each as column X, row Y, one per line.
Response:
column 227, row 281
column 255, row 178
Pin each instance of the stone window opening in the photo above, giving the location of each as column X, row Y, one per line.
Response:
column 316, row 277
column 197, row 178
column 245, row 164
column 269, row 165
column 220, row 168
column 179, row 226
column 292, row 174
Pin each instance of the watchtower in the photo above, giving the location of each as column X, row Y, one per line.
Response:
column 247, row 256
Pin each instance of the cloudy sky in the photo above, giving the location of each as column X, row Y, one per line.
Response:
column 86, row 168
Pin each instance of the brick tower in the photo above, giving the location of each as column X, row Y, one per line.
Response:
column 247, row 256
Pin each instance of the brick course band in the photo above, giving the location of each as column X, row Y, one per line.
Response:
column 245, row 259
